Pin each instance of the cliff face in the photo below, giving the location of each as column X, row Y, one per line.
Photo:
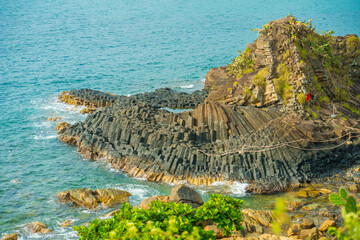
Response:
column 253, row 126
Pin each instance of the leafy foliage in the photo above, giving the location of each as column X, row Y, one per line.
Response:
column 241, row 65
column 351, row 215
column 282, row 87
column 167, row 221
column 301, row 98
column 260, row 79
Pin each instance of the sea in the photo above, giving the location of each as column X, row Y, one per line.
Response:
column 122, row 47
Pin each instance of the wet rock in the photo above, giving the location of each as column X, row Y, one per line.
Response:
column 145, row 204
column 66, row 223
column 38, row 227
column 325, row 225
column 308, row 192
column 62, row 127
column 12, row 236
column 184, row 194
column 293, row 205
column 91, row 199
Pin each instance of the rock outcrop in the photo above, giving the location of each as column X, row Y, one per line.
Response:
column 38, row 227
column 91, row 199
column 254, row 125
column 12, row 236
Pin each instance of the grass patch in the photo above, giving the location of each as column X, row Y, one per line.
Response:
column 282, row 87
column 354, row 110
column 260, row 79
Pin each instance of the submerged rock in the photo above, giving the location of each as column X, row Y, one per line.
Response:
column 91, row 199
column 66, row 223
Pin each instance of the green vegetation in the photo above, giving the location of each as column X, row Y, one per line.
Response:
column 229, row 89
column 282, row 87
column 235, row 84
column 241, row 65
column 280, row 216
column 301, row 98
column 167, row 221
column 353, row 45
column 247, row 92
column 324, row 99
column 354, row 110
column 313, row 115
column 340, row 94
column 260, row 79
column 358, row 96
column 350, row 213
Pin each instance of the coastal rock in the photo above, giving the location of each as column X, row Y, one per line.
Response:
column 311, row 234
column 91, row 199
column 256, row 220
column 66, row 223
column 145, row 204
column 12, row 236
column 294, row 229
column 62, row 127
column 53, row 118
column 325, row 225
column 38, row 227
column 184, row 194
column 252, row 127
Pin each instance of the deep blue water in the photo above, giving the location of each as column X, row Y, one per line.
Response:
column 123, row 47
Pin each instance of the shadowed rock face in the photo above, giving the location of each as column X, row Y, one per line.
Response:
column 225, row 137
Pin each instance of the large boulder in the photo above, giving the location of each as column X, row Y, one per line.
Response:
column 91, row 199
column 184, row 194
column 145, row 204
column 38, row 227
column 62, row 127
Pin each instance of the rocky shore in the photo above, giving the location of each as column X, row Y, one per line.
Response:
column 252, row 125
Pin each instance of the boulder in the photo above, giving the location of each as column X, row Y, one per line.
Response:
column 325, row 225
column 38, row 227
column 62, row 127
column 53, row 118
column 184, row 194
column 110, row 197
column 311, row 234
column 256, row 220
column 91, row 199
column 307, row 223
column 12, row 236
column 294, row 229
column 145, row 204
column 293, row 205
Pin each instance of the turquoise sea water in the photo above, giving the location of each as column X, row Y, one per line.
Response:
column 123, row 47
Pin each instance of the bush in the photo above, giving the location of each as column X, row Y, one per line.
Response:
column 351, row 215
column 167, row 221
column 301, row 98
column 260, row 79
column 282, row 87
column 241, row 65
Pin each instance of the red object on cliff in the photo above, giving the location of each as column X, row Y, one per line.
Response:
column 308, row 97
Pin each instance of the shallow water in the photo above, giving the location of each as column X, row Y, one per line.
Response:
column 122, row 47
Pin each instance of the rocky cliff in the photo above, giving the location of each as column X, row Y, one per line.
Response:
column 254, row 125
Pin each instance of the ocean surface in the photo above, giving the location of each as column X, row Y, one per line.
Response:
column 122, row 47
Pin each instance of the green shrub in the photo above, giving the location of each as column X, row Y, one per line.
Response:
column 340, row 94
column 167, row 221
column 354, row 110
column 247, row 92
column 324, row 99
column 241, row 65
column 351, row 214
column 260, row 79
column 282, row 87
column 301, row 98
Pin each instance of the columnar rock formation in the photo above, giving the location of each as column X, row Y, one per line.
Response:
column 254, row 125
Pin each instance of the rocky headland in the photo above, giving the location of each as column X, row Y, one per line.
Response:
column 265, row 119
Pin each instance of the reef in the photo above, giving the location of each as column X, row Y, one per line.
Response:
column 266, row 118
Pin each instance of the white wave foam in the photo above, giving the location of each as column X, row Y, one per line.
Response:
column 238, row 188
column 39, row 137
column 203, row 80
column 187, row 86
